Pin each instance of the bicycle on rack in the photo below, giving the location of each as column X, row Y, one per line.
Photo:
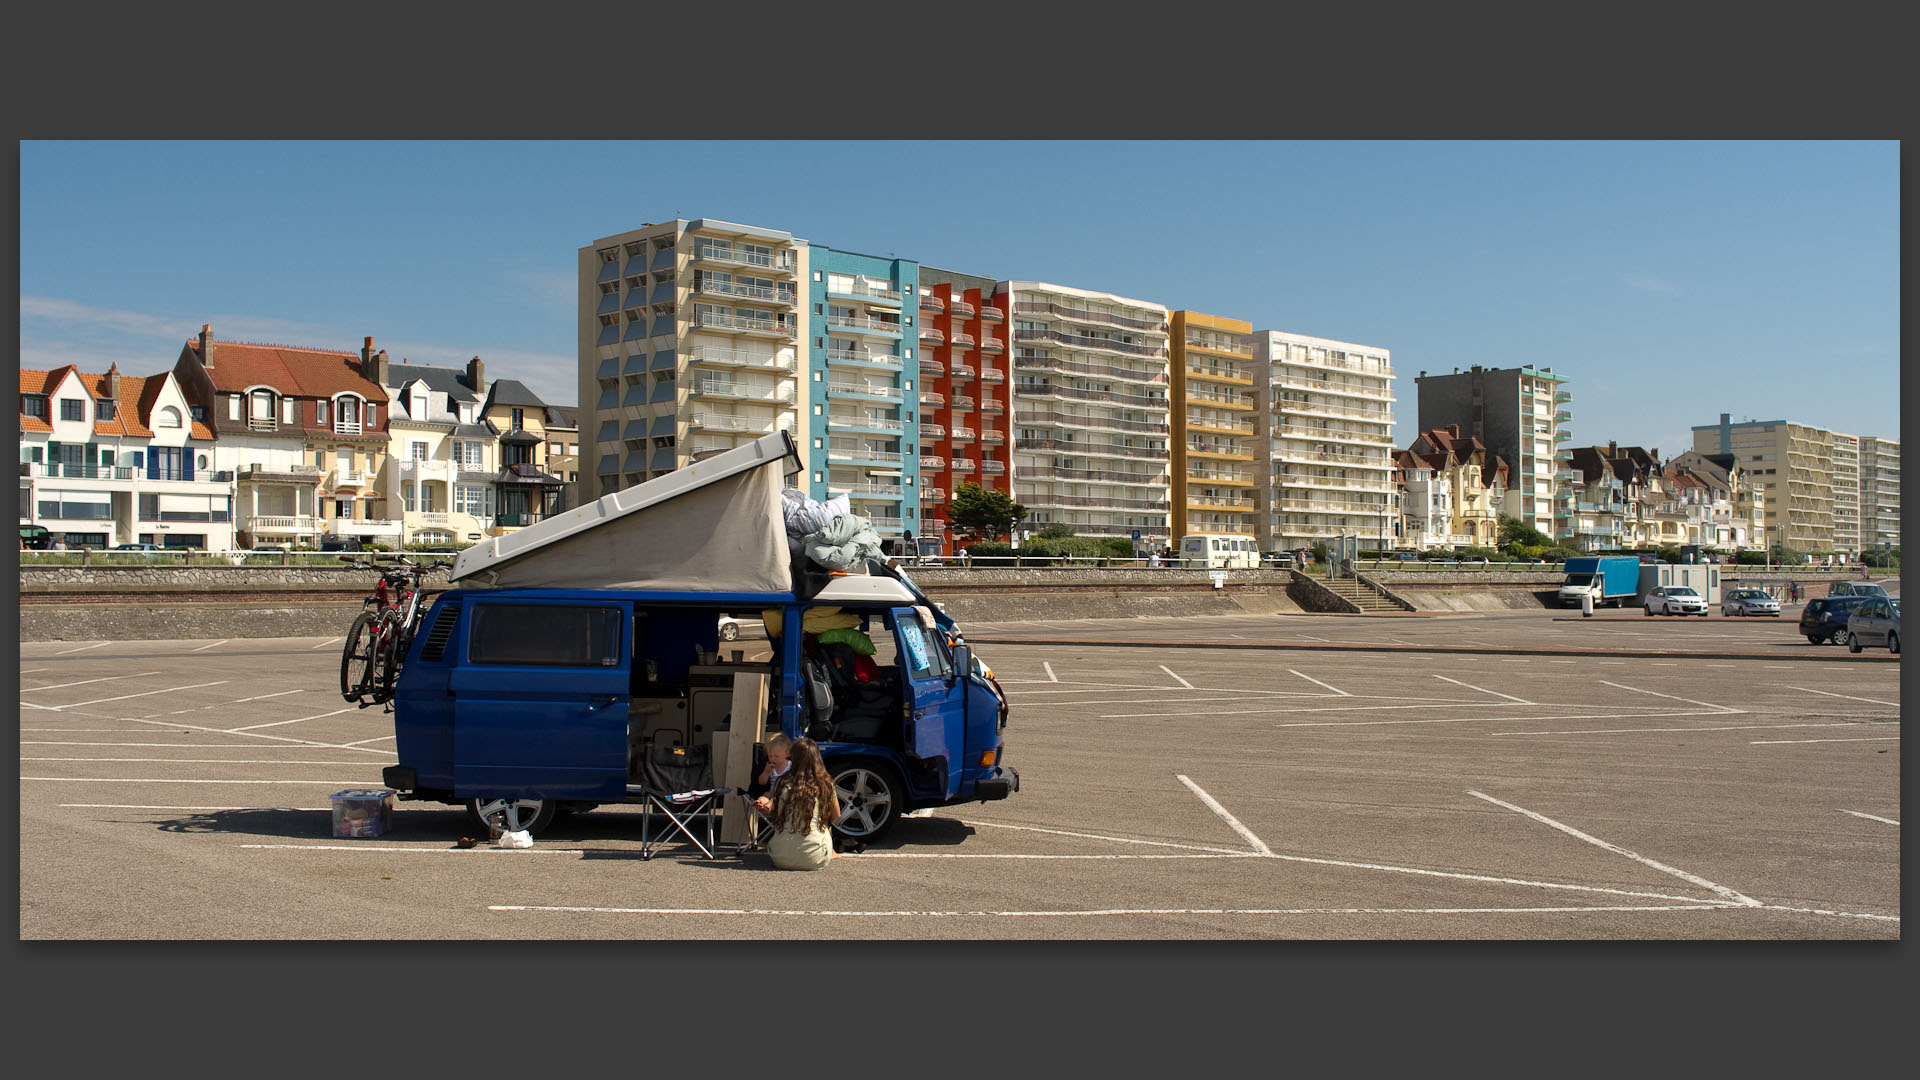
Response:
column 378, row 640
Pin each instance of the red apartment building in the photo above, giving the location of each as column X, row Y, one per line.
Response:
column 966, row 398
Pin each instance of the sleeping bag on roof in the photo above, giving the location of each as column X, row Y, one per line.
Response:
column 847, row 540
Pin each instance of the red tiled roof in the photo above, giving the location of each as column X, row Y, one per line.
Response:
column 313, row 373
column 127, row 413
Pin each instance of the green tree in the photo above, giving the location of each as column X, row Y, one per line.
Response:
column 992, row 514
column 1515, row 531
column 1056, row 531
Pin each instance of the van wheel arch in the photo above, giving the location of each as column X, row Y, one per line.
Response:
column 872, row 797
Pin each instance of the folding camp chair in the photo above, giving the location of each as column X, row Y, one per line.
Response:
column 677, row 782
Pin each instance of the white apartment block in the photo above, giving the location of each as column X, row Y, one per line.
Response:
column 1091, row 412
column 1879, row 493
column 1845, row 464
column 1325, row 419
column 1791, row 463
column 442, row 459
column 690, row 334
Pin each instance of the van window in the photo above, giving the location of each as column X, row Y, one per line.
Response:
column 923, row 659
column 547, row 635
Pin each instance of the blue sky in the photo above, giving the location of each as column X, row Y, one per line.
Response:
column 1671, row 281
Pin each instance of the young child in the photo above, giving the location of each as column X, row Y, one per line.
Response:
column 779, row 751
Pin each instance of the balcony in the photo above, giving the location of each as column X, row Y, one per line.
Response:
column 930, row 366
column 931, row 334
column 993, row 375
column 993, row 405
column 348, row 478
column 1068, row 393
column 717, row 357
column 867, row 391
column 862, row 455
column 863, row 324
column 752, row 425
column 992, row 313
column 762, row 294
column 933, row 495
column 514, row 520
column 1080, row 341
column 991, row 436
column 1095, row 449
column 867, row 490
column 961, row 308
column 961, row 434
column 861, row 290
column 932, row 431
column 963, row 371
column 1219, row 374
column 1561, row 397
column 1214, row 502
column 1341, row 388
column 1049, row 362
column 1032, row 307
column 930, row 302
column 1084, row 423
column 738, row 324
column 962, row 403
column 1100, row 502
column 262, row 423
column 864, row 359
column 960, row 340
column 357, row 527
column 1217, row 402
column 728, row 390
column 1100, row 476
column 961, row 464
column 296, row 474
column 777, row 263
column 932, row 463
column 992, row 344
column 1219, row 452
column 851, row 422
column 932, row 398
column 993, row 468
column 1221, row 348
column 1229, row 426
column 282, row 524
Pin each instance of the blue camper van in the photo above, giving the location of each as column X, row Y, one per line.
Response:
column 569, row 648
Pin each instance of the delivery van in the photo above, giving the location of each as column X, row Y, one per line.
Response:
column 1217, row 550
column 570, row 648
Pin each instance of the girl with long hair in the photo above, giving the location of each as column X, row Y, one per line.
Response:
column 804, row 811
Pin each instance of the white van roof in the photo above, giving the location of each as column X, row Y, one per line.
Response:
column 714, row 526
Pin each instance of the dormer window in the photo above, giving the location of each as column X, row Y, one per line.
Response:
column 167, row 417
column 103, row 409
column 347, row 415
column 73, row 409
column 34, row 405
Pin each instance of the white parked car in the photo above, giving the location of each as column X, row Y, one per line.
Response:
column 1749, row 602
column 1676, row 600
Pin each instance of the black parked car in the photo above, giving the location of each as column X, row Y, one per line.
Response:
column 1824, row 619
column 347, row 544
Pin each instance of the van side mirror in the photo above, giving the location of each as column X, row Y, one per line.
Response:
column 962, row 663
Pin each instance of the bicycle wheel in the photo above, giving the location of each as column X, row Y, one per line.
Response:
column 356, row 657
column 381, row 673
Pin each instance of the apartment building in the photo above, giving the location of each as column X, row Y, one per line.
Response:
column 303, row 430
column 1723, row 516
column 111, row 459
column 861, row 372
column 1092, row 414
column 443, row 455
column 1324, row 423
column 1792, row 463
column 1879, row 493
column 1218, row 464
column 1521, row 414
column 1845, row 464
column 690, row 342
column 524, row 491
column 964, row 394
column 1600, row 499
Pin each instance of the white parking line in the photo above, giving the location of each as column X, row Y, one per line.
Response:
column 1483, row 690
column 329, row 641
column 1176, row 678
column 165, row 780
column 358, row 743
column 1849, row 697
column 1086, row 913
column 193, row 761
column 1051, row 677
column 264, row 697
column 1656, row 693
column 167, row 745
column 301, row 809
column 149, row 693
column 1317, row 682
column 1870, row 817
column 83, row 682
column 249, row 734
column 1786, row 742
column 303, row 719
column 1245, row 833
column 1735, row 897
column 1098, row 836
column 215, row 645
column 84, row 648
column 1624, row 731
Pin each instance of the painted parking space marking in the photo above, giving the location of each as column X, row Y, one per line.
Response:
column 1099, row 836
column 248, row 734
column 84, row 648
column 165, row 745
column 1176, row 678
column 148, row 693
column 1870, row 817
column 293, row 809
column 1233, row 822
column 83, row 682
column 1629, row 731
column 300, row 720
column 168, row 780
column 193, row 761
column 329, row 641
column 1720, row 890
column 1051, row 677
column 1849, row 697
column 1789, row 742
column 215, row 645
column 264, row 697
column 1084, row 913
column 1656, row 693
column 1483, row 690
column 1317, row 682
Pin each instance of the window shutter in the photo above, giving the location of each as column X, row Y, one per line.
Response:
column 153, row 466
column 186, row 463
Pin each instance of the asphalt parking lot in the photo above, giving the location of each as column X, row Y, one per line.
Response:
column 179, row 790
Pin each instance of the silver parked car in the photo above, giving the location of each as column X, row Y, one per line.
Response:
column 1876, row 622
column 1749, row 602
column 1676, row 600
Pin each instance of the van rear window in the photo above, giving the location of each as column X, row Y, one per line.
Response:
column 548, row 635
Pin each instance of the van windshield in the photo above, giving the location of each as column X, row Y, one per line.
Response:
column 1579, row 579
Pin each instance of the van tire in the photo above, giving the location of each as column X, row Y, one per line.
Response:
column 533, row 815
column 871, row 796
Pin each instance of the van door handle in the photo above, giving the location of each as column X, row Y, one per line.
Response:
column 596, row 704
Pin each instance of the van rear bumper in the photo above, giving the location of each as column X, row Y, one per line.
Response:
column 1003, row 783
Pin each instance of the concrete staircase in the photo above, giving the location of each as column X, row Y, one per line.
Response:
column 1359, row 595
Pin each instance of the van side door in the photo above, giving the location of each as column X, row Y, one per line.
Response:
column 540, row 699
column 936, row 704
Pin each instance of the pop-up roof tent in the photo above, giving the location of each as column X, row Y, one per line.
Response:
column 714, row 526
